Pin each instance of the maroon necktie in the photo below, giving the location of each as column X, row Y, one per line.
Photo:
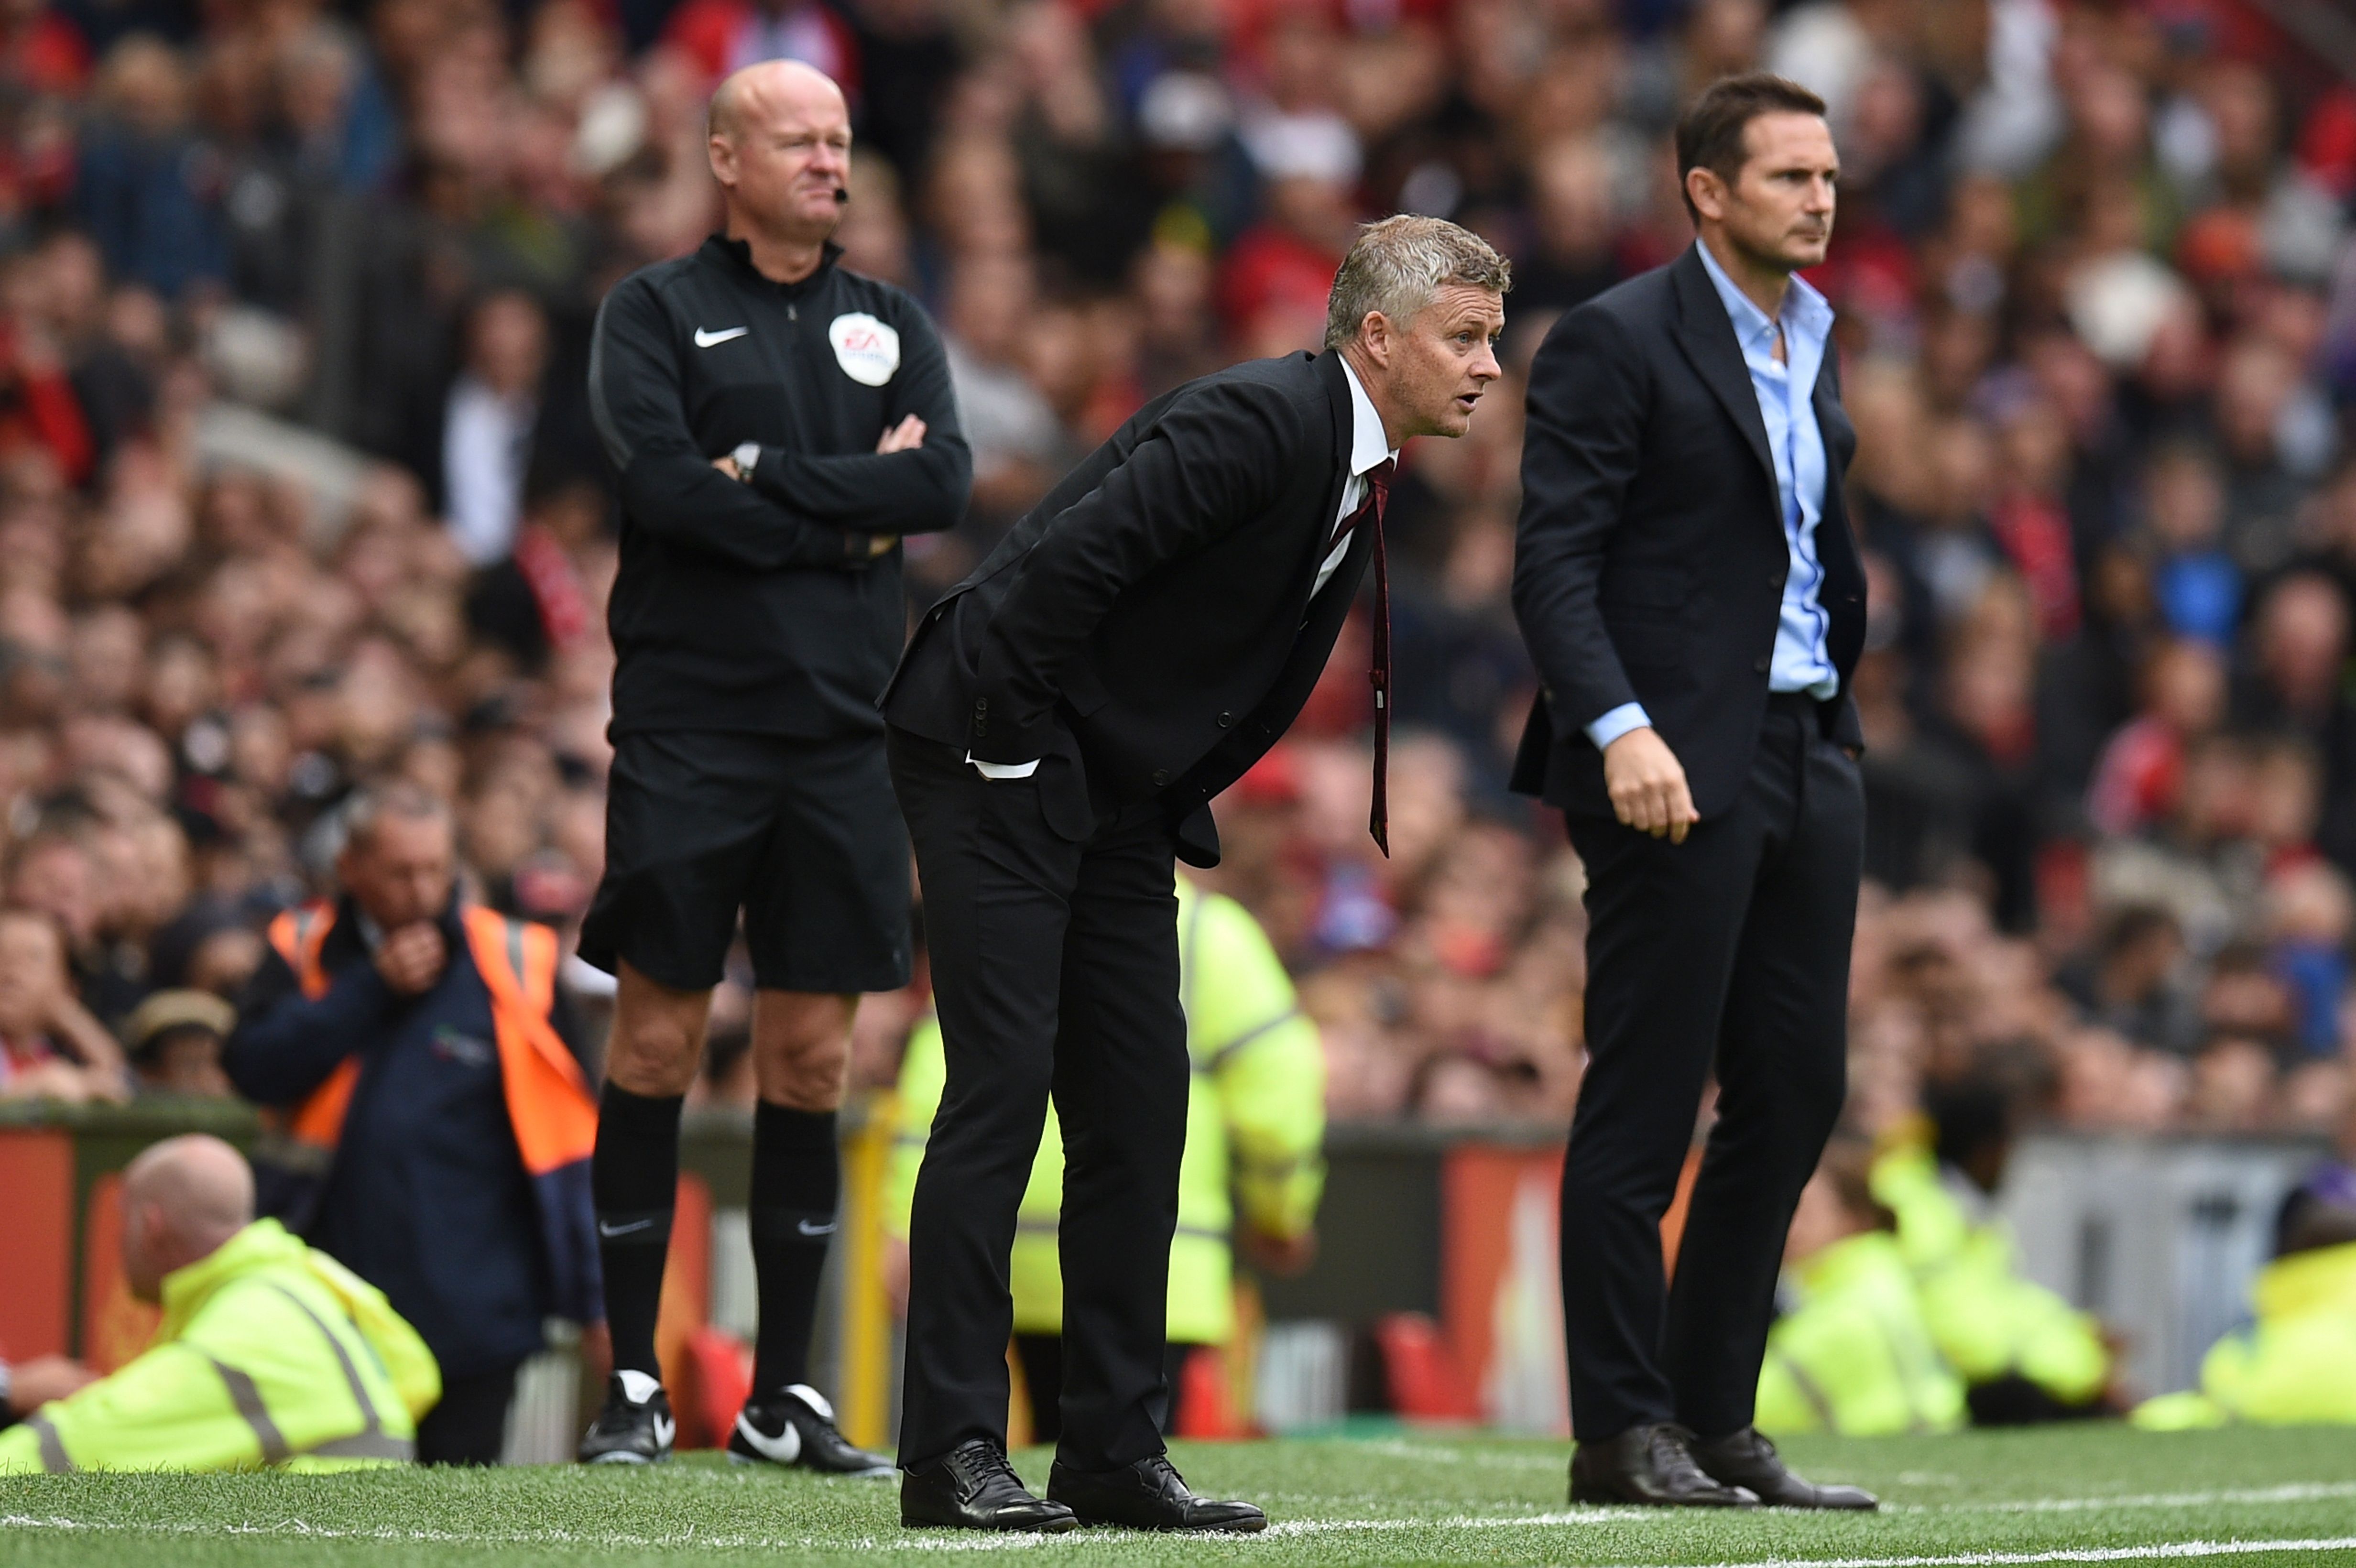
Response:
column 1370, row 511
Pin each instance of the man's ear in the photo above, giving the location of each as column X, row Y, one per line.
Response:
column 722, row 157
column 1374, row 333
column 1706, row 192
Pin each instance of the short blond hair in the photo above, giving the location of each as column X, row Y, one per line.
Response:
column 1398, row 265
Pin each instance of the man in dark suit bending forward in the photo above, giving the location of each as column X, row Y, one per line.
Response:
column 1692, row 597
column 1058, row 727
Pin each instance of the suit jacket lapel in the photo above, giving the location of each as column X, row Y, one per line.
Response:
column 1707, row 335
column 1835, row 543
column 1832, row 424
column 1328, row 368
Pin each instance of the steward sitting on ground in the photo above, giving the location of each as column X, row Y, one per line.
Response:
column 2296, row 1364
column 2024, row 1353
column 269, row 1354
column 1851, row 1354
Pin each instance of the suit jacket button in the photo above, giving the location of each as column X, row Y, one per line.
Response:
column 1226, row 719
column 1775, row 580
column 1760, row 664
column 1160, row 777
column 980, row 705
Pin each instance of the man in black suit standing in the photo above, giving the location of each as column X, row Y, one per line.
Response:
column 1692, row 597
column 1058, row 727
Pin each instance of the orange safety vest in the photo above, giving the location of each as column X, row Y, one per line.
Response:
column 548, row 1101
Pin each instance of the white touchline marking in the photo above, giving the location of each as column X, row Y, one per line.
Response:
column 610, row 1540
column 694, row 1537
column 2298, row 1493
column 1475, row 1521
column 2167, row 1549
column 691, row 1538
column 2294, row 1492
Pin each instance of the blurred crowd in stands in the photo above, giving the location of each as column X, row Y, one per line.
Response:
column 299, row 485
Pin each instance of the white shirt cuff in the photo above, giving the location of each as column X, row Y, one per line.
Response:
column 1618, row 722
column 1003, row 770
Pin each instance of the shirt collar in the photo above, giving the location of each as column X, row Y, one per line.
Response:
column 741, row 254
column 1805, row 309
column 1367, row 446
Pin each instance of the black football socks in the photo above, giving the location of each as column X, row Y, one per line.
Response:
column 797, row 1189
column 634, row 1179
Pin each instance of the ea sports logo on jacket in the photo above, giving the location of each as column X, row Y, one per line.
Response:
column 867, row 350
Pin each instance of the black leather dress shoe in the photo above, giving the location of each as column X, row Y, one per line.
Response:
column 1651, row 1466
column 1147, row 1495
column 972, row 1487
column 1746, row 1459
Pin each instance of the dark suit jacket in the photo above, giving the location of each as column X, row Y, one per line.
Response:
column 1650, row 559
column 1148, row 629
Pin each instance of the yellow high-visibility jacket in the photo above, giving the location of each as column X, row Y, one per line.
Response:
column 1854, row 1357
column 2296, row 1365
column 1255, row 1125
column 269, row 1354
column 1990, row 1322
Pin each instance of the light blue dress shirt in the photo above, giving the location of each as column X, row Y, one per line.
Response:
column 1803, row 656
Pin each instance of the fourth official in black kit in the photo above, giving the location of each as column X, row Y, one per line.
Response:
column 776, row 424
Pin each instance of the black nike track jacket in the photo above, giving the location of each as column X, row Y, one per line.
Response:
column 752, row 606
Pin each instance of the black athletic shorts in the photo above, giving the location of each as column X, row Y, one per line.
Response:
column 803, row 836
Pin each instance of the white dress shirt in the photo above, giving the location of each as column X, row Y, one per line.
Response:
column 1370, row 447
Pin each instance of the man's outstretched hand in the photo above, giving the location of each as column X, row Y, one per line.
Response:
column 1647, row 785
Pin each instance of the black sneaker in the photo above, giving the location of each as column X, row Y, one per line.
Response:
column 796, row 1427
column 635, row 1427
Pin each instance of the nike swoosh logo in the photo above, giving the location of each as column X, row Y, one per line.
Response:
column 783, row 1449
column 706, row 339
column 806, row 1229
column 665, row 1430
column 610, row 1231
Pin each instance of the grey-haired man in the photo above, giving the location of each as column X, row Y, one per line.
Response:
column 1059, row 726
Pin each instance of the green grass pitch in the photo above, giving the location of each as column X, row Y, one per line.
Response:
column 2088, row 1494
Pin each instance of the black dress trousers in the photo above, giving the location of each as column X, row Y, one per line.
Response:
column 1730, row 951
column 1055, row 966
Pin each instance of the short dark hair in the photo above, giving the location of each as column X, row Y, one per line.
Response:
column 1709, row 136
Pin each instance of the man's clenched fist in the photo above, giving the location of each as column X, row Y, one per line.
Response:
column 411, row 958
